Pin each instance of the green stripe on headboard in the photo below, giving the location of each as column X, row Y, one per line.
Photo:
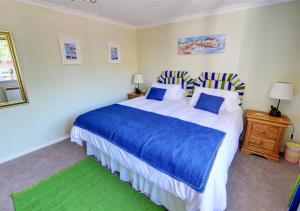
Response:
column 223, row 85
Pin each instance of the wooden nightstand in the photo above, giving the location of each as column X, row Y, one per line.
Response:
column 134, row 95
column 264, row 134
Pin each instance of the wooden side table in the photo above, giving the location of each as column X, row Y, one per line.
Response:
column 264, row 134
column 134, row 95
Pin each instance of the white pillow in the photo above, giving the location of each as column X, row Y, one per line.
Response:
column 181, row 94
column 231, row 98
column 174, row 91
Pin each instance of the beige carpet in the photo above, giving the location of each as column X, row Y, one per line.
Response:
column 253, row 183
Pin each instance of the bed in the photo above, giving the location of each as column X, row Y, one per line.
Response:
column 162, row 188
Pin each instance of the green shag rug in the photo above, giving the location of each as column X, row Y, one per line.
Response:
column 84, row 186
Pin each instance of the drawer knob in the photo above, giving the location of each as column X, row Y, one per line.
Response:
column 264, row 132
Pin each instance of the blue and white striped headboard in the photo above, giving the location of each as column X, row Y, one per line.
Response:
column 225, row 81
column 177, row 77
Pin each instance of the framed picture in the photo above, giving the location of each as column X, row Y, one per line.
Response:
column 207, row 44
column 114, row 53
column 70, row 50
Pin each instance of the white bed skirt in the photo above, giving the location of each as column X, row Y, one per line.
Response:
column 139, row 183
column 161, row 188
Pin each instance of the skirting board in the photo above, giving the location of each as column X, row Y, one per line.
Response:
column 11, row 157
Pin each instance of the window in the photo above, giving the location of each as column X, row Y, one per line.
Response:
column 7, row 69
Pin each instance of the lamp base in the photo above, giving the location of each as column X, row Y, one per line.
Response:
column 274, row 112
column 137, row 91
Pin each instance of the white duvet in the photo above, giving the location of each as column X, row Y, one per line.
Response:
column 214, row 196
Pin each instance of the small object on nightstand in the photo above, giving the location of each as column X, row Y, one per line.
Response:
column 280, row 91
column 264, row 134
column 134, row 95
column 138, row 79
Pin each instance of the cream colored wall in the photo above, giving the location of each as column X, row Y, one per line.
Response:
column 57, row 92
column 262, row 47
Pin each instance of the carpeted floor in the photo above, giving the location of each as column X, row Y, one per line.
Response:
column 253, row 182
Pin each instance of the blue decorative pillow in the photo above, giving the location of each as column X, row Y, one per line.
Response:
column 210, row 103
column 156, row 94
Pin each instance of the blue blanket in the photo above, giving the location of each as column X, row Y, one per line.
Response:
column 181, row 149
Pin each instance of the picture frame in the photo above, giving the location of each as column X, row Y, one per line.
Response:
column 205, row 44
column 114, row 53
column 70, row 50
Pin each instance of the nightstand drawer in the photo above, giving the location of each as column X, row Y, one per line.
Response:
column 265, row 131
column 262, row 143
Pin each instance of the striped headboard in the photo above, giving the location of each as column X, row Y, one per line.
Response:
column 177, row 77
column 225, row 81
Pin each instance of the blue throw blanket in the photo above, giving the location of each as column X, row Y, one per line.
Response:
column 181, row 149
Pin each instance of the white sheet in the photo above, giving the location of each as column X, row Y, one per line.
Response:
column 214, row 196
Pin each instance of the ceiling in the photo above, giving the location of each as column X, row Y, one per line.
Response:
column 143, row 13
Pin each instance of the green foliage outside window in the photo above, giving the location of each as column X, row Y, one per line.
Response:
column 4, row 51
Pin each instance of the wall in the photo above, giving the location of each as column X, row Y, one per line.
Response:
column 262, row 47
column 57, row 92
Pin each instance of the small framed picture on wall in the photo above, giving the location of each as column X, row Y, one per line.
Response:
column 114, row 53
column 70, row 50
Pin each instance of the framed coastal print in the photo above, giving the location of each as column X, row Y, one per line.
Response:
column 114, row 53
column 206, row 44
column 70, row 50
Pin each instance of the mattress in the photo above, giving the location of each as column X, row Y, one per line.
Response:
column 214, row 196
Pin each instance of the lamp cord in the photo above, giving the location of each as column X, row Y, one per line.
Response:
column 292, row 135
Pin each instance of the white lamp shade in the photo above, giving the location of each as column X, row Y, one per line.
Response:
column 281, row 91
column 138, row 78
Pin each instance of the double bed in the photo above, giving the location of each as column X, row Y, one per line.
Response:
column 161, row 187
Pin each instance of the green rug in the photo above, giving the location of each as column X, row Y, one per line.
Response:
column 84, row 186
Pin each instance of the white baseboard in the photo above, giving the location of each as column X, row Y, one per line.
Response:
column 8, row 158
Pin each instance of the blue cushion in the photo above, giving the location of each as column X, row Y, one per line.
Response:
column 156, row 94
column 210, row 103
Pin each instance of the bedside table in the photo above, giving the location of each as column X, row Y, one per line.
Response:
column 134, row 95
column 264, row 134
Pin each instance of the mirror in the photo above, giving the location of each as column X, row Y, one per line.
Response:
column 12, row 90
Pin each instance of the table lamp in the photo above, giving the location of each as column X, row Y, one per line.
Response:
column 280, row 91
column 138, row 79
